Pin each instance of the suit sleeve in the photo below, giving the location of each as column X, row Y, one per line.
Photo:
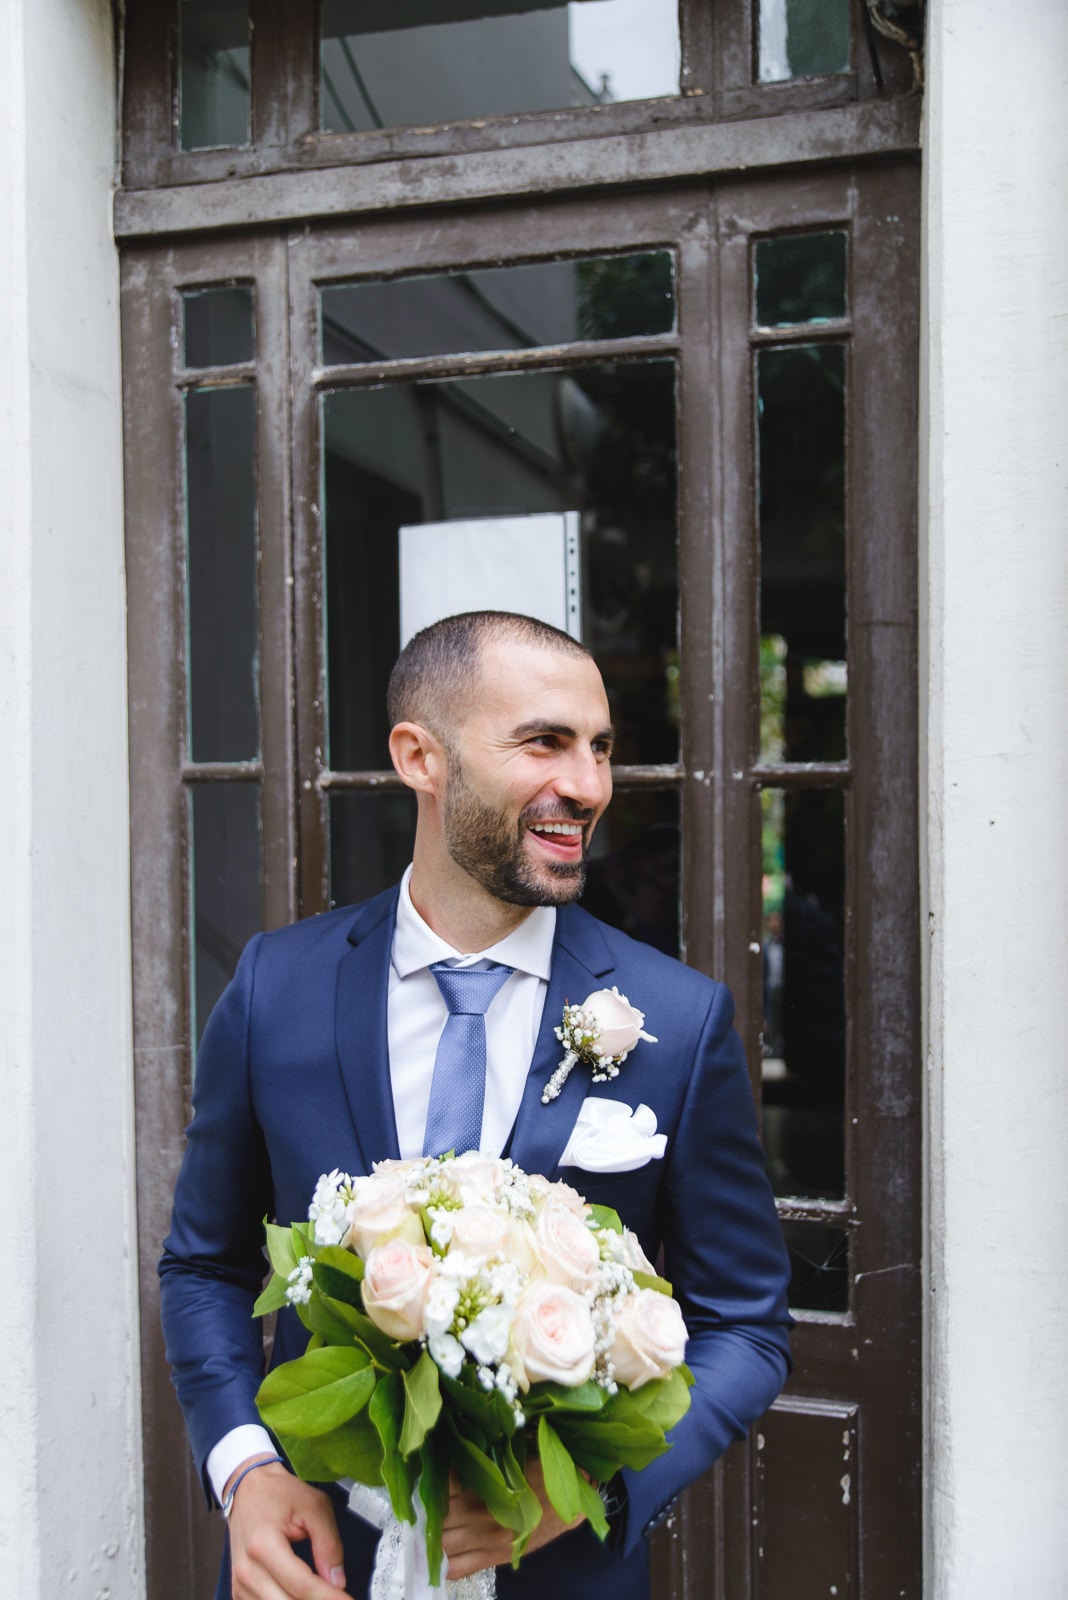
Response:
column 725, row 1256
column 213, row 1263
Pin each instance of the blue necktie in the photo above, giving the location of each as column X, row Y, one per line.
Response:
column 458, row 1088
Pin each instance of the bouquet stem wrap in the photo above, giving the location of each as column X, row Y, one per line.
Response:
column 401, row 1571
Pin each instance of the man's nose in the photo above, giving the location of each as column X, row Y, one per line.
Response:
column 585, row 778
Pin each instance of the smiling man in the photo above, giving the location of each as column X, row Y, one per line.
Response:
column 341, row 1042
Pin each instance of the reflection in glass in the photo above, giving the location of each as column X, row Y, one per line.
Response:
column 218, row 326
column 633, row 877
column 599, row 441
column 499, row 308
column 227, row 886
column 221, row 563
column 819, row 1267
column 803, row 38
column 801, row 423
column 429, row 61
column 804, row 990
column 371, row 839
column 800, row 277
column 215, row 79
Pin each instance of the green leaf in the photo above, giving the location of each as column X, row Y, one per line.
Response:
column 529, row 1504
column 477, row 1472
column 280, row 1249
column 592, row 1507
column 605, row 1217
column 354, row 1451
column 561, row 1479
column 664, row 1400
column 326, row 1317
column 307, row 1459
column 339, row 1273
column 273, row 1297
column 649, row 1280
column 434, row 1493
column 387, row 1404
column 584, row 1397
column 317, row 1392
column 422, row 1403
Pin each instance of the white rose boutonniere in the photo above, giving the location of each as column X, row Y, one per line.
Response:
column 601, row 1033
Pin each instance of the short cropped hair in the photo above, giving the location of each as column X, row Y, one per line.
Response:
column 439, row 668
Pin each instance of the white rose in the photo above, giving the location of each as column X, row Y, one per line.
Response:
column 650, row 1338
column 379, row 1211
column 395, row 1287
column 621, row 1024
column 476, row 1177
column 634, row 1256
column 479, row 1231
column 552, row 1336
column 566, row 1248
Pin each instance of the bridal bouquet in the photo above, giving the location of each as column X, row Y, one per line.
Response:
column 464, row 1317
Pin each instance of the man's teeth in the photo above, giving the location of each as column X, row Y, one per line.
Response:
column 569, row 828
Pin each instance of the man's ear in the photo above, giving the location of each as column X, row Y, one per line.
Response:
column 418, row 757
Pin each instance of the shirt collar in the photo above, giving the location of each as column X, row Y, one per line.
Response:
column 528, row 948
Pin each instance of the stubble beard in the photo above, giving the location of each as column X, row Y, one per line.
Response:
column 490, row 849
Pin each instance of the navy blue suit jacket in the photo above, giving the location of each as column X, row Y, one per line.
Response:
column 293, row 1079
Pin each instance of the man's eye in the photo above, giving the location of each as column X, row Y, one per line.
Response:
column 547, row 741
column 603, row 747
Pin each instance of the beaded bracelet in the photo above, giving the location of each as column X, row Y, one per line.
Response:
column 228, row 1502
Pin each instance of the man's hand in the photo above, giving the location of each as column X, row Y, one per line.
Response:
column 472, row 1539
column 272, row 1511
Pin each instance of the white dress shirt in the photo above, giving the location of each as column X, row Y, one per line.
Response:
column 416, row 1014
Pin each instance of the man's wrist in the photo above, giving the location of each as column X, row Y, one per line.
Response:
column 239, row 1477
column 241, row 1444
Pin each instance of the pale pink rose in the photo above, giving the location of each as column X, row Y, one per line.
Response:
column 562, row 1194
column 378, row 1212
column 650, row 1338
column 475, row 1175
column 552, row 1336
column 395, row 1285
column 566, row 1247
column 634, row 1256
column 621, row 1024
column 480, row 1231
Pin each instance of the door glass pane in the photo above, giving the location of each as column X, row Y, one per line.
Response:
column 227, row 886
column 218, row 326
column 215, row 92
column 800, row 277
column 804, row 991
column 499, row 308
column 371, row 839
column 221, row 563
column 819, row 1266
column 803, row 38
column 429, row 61
column 633, row 876
column 591, row 450
column 801, row 423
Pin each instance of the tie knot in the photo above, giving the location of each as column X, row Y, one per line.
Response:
column 467, row 991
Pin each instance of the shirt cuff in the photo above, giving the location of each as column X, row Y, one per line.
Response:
column 235, row 1447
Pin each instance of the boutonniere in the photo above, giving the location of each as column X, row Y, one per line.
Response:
column 601, row 1033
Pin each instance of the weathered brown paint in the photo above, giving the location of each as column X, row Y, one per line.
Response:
column 314, row 209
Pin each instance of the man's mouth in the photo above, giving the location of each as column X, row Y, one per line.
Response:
column 561, row 839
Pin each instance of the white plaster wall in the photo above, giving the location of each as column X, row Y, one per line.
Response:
column 70, row 1513
column 996, row 503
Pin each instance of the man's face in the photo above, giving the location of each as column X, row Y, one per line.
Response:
column 529, row 775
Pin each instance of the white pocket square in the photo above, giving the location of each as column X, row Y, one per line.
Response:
column 609, row 1137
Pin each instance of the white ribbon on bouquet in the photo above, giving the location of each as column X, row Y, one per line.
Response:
column 401, row 1571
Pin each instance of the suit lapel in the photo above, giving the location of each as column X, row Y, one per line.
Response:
column 581, row 963
column 361, row 1030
